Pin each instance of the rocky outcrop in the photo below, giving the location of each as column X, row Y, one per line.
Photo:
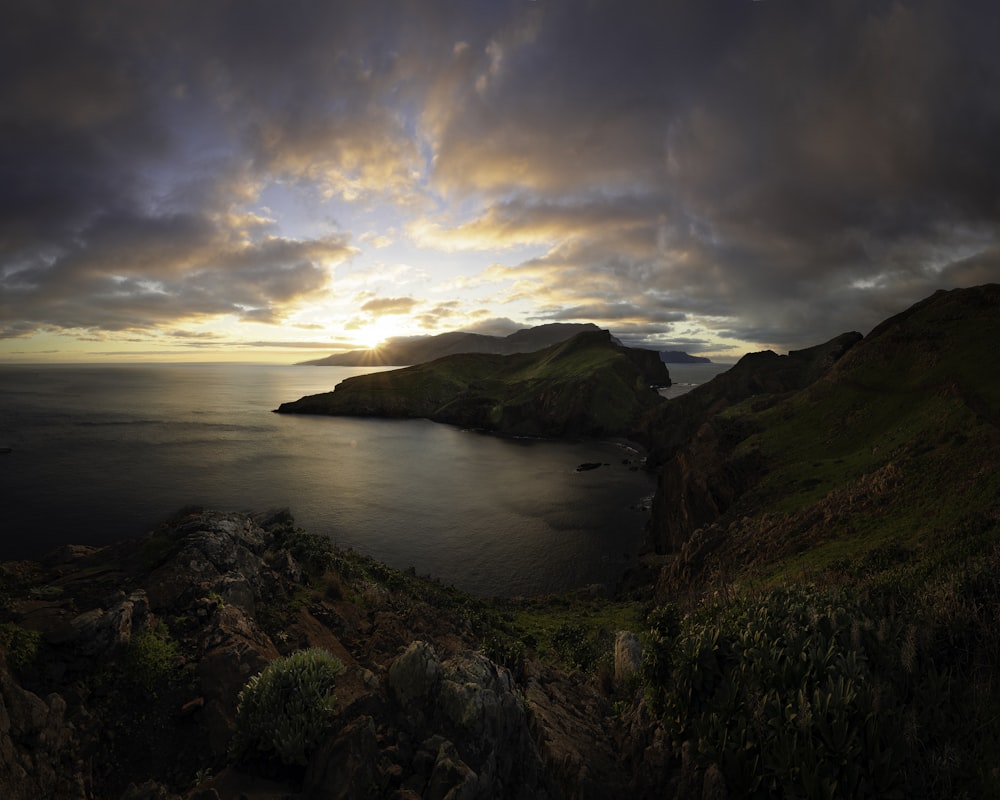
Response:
column 480, row 743
column 144, row 648
column 699, row 484
column 40, row 755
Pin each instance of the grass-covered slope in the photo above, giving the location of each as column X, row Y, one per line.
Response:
column 829, row 587
column 588, row 386
column 895, row 450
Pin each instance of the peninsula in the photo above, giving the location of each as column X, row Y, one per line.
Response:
column 589, row 385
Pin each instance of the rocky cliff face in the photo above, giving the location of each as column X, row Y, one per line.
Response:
column 699, row 476
column 123, row 679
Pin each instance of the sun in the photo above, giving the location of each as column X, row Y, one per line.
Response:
column 376, row 332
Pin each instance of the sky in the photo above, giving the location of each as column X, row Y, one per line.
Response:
column 277, row 181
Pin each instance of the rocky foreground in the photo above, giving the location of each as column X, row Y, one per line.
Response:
column 128, row 685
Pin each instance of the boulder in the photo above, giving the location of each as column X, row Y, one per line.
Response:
column 346, row 766
column 39, row 754
column 414, row 675
column 628, row 657
column 97, row 633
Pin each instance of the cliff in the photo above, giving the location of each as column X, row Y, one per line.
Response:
column 586, row 386
column 834, row 448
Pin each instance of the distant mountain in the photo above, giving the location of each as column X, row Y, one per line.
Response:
column 680, row 357
column 589, row 385
column 404, row 351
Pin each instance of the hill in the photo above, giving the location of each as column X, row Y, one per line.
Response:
column 400, row 352
column 887, row 443
column 586, row 386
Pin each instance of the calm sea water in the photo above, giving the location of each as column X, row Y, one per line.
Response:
column 103, row 453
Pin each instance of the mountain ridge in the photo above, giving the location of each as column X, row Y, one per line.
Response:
column 417, row 350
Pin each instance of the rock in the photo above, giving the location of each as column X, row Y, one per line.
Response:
column 217, row 549
column 713, row 785
column 481, row 709
column 98, row 632
column 451, row 779
column 628, row 657
column 38, row 748
column 234, row 649
column 414, row 675
column 149, row 790
column 346, row 766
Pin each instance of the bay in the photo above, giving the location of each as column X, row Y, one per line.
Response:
column 100, row 453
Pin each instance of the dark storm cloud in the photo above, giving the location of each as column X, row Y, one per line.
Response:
column 779, row 170
column 808, row 166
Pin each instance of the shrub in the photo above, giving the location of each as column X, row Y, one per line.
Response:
column 314, row 552
column 150, row 662
column 574, row 646
column 20, row 644
column 284, row 711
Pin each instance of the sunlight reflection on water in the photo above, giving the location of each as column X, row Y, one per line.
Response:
column 104, row 453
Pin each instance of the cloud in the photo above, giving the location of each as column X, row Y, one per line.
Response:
column 494, row 326
column 130, row 273
column 772, row 173
column 389, row 305
column 782, row 159
column 433, row 318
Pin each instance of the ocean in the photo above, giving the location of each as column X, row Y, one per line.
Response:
column 101, row 453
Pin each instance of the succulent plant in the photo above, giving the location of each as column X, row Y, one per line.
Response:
column 284, row 711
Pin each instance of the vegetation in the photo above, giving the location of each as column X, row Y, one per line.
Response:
column 19, row 645
column 150, row 660
column 285, row 710
column 828, row 692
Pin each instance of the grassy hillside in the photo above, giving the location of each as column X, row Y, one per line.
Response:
column 588, row 385
column 896, row 449
column 827, row 603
